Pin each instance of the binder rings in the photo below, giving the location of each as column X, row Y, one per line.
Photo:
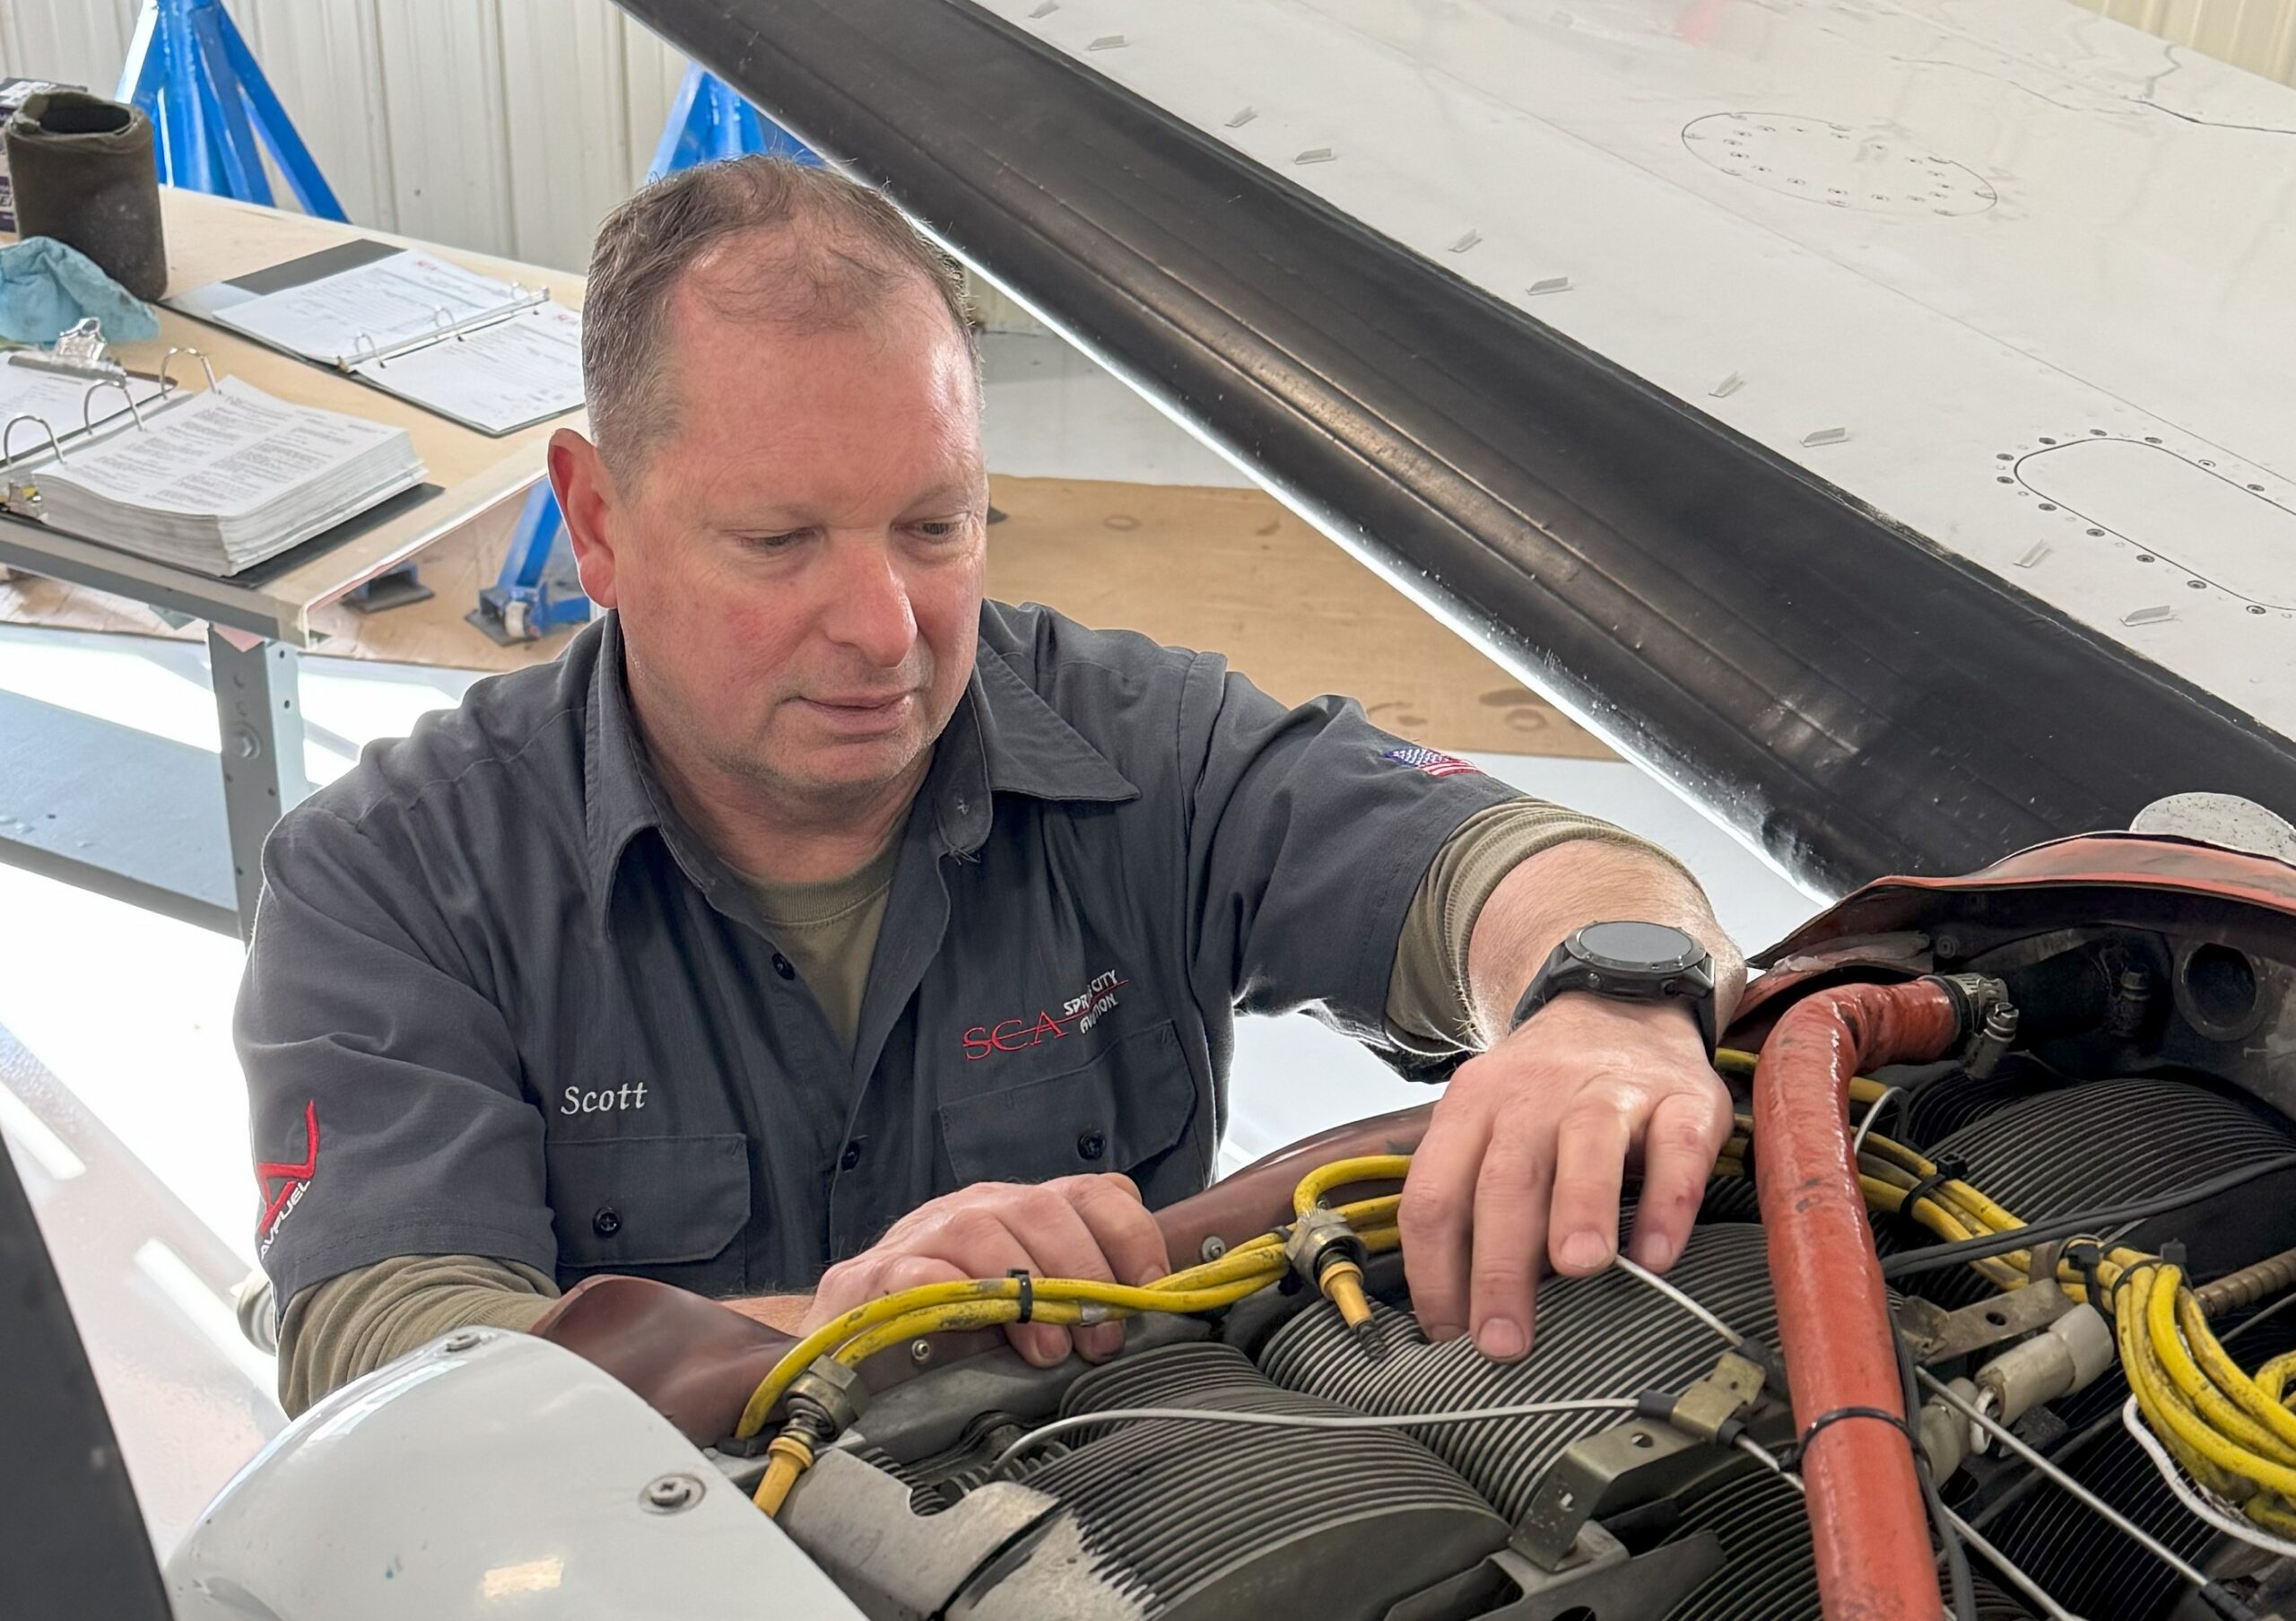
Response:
column 490, row 355
column 215, row 481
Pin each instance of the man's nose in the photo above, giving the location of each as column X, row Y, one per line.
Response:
column 868, row 608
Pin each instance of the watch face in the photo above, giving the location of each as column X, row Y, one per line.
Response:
column 1648, row 947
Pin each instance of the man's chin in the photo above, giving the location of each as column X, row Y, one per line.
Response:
column 850, row 768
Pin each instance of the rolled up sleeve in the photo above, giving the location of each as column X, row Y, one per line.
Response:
column 387, row 1109
column 1310, row 831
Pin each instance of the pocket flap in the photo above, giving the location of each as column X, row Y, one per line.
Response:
column 647, row 1201
column 1114, row 1111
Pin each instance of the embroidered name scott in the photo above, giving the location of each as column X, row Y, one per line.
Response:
column 1077, row 1015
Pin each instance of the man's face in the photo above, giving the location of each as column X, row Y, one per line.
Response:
column 799, row 567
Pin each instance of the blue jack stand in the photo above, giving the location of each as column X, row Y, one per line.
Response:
column 708, row 122
column 196, row 80
column 537, row 590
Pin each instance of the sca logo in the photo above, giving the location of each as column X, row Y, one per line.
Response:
column 1077, row 1015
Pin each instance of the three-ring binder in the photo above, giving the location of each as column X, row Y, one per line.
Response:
column 450, row 328
column 19, row 491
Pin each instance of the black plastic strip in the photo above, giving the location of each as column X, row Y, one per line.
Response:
column 75, row 1542
column 1852, row 698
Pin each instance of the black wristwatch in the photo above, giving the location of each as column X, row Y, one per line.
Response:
column 1628, row 963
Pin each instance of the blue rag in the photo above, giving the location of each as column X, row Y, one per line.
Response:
column 46, row 287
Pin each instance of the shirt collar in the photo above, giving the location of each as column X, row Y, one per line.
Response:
column 1003, row 739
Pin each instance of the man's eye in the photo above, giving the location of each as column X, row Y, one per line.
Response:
column 774, row 543
column 940, row 528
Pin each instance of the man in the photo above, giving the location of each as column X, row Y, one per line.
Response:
column 813, row 928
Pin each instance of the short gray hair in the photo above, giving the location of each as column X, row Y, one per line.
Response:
column 843, row 251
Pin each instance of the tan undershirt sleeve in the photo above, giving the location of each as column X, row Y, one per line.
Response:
column 1427, row 999
column 356, row 1321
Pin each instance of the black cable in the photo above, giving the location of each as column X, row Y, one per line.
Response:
column 1939, row 1257
column 1957, row 1557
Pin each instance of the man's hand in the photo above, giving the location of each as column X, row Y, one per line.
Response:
column 1523, row 1164
column 1091, row 1228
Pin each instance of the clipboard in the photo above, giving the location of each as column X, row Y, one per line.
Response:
column 360, row 306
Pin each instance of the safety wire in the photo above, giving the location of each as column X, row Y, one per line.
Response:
column 2231, row 1431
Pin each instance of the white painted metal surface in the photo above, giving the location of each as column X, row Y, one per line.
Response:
column 1921, row 248
column 501, row 1476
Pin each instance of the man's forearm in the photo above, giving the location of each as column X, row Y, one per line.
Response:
column 1565, row 887
column 354, row 1322
column 784, row 1313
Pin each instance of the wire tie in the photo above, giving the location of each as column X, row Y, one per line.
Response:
column 1951, row 1168
column 1802, row 1445
column 1028, row 1294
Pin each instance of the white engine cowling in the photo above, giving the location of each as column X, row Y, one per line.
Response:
column 490, row 1474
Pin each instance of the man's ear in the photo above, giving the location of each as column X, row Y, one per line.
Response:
column 587, row 500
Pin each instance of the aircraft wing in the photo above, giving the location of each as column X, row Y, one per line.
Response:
column 1879, row 418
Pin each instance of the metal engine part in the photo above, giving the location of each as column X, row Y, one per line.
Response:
column 1155, row 1519
column 1169, row 1520
column 1609, row 1335
column 1770, row 1574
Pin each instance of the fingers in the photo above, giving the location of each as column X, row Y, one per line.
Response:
column 1524, row 1161
column 987, row 1246
column 1511, row 1228
column 1437, row 1210
column 1128, row 1247
column 1061, row 1245
column 868, row 1276
column 1121, row 1225
column 1686, row 1130
column 1089, row 1227
column 1591, row 1144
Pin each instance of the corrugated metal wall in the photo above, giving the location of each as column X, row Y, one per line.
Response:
column 512, row 126
column 505, row 125
column 2259, row 35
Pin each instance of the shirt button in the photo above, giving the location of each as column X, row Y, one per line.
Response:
column 607, row 1221
column 782, row 966
column 1091, row 1144
column 851, row 1157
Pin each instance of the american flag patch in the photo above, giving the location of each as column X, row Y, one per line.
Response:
column 1429, row 761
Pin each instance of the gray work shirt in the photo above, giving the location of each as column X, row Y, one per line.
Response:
column 501, row 1000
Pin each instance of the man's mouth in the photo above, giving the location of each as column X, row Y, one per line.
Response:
column 861, row 703
column 859, row 714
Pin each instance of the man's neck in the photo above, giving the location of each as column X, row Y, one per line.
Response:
column 763, row 834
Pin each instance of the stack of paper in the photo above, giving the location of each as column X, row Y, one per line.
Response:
column 225, row 479
column 66, row 402
column 508, row 374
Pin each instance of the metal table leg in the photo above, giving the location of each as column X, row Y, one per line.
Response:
column 262, row 716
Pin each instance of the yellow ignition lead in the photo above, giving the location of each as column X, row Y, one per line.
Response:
column 1342, row 1283
column 2233, row 1432
column 1340, row 1173
column 787, row 1457
column 893, row 1319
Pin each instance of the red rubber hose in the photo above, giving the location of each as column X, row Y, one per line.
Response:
column 1867, row 1526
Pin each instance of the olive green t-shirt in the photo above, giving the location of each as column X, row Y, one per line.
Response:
column 829, row 932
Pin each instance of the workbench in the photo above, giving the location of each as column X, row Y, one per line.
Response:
column 139, row 817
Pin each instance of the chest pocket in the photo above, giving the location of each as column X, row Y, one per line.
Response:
column 1124, row 1108
column 669, row 1208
